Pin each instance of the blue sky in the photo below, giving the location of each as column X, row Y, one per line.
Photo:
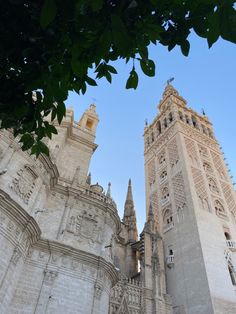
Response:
column 206, row 79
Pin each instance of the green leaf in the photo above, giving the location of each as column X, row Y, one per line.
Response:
column 61, row 111
column 39, row 148
column 111, row 69
column 108, row 76
column 91, row 81
column 54, row 113
column 48, row 13
column 228, row 22
column 50, row 129
column 148, row 67
column 214, row 29
column 83, row 88
column 132, row 81
column 185, row 46
column 143, row 51
column 120, row 35
column 27, row 140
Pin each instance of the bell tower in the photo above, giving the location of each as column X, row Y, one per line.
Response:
column 194, row 206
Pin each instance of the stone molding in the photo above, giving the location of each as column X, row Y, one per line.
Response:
column 16, row 224
column 59, row 256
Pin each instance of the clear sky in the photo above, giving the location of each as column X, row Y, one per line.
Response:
column 206, row 79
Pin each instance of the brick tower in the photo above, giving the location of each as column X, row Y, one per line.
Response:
column 194, row 207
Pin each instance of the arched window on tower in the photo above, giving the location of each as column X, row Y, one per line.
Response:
column 170, row 117
column 212, row 185
column 168, row 223
column 165, row 196
column 163, row 176
column 229, row 241
column 158, row 127
column 152, row 136
column 187, row 119
column 165, row 123
column 207, row 167
column 219, row 208
column 194, row 122
column 204, row 129
column 232, row 273
column 181, row 116
column 210, row 133
column 162, row 160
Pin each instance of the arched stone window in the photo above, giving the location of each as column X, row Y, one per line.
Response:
column 227, row 235
column 203, row 151
column 167, row 216
column 170, row 117
column 152, row 136
column 207, row 167
column 210, row 133
column 163, row 175
column 219, row 208
column 162, row 159
column 187, row 119
column 232, row 273
column 204, row 129
column 181, row 116
column 194, row 122
column 212, row 185
column 165, row 123
column 158, row 127
column 165, row 196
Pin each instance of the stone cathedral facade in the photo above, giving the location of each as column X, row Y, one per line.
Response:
column 64, row 249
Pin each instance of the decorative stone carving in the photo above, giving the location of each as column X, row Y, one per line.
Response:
column 97, row 291
column 24, row 183
column 49, row 277
column 85, row 226
column 15, row 256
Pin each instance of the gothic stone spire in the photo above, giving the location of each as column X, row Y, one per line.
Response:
column 129, row 218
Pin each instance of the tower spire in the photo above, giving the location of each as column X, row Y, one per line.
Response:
column 109, row 190
column 129, row 218
column 129, row 203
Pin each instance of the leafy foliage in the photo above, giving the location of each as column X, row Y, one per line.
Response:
column 50, row 47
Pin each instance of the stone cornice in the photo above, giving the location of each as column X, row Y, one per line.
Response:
column 97, row 262
column 14, row 211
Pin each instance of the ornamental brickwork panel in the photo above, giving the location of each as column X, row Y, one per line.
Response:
column 173, row 152
column 227, row 191
column 192, row 151
column 200, row 188
column 151, row 172
column 179, row 191
column 218, row 165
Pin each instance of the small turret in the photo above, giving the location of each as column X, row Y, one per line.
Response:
column 88, row 180
column 89, row 120
column 108, row 194
column 129, row 218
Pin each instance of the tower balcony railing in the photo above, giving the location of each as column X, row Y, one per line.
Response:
column 170, row 261
column 231, row 245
